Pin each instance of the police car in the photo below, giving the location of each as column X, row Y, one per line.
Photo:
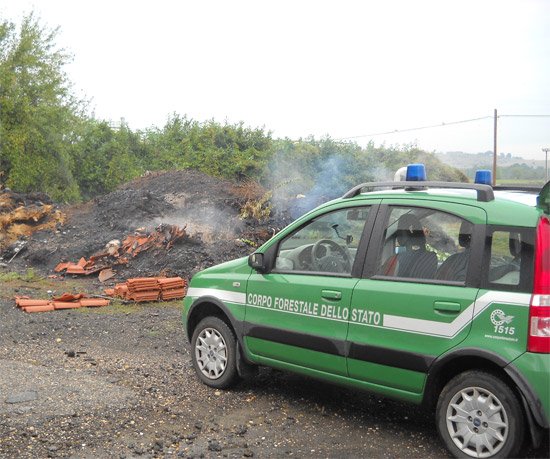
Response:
column 433, row 293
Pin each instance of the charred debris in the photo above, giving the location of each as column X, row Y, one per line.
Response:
column 171, row 223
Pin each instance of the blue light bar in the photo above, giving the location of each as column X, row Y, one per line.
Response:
column 416, row 173
column 483, row 177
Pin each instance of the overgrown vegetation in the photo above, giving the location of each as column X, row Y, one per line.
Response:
column 49, row 144
column 29, row 276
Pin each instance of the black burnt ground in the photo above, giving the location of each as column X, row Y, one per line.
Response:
column 208, row 208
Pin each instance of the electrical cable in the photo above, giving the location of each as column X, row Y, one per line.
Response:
column 397, row 131
column 525, row 116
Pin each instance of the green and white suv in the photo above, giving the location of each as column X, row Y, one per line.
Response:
column 433, row 293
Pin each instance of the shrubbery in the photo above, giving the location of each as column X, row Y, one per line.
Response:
column 49, row 144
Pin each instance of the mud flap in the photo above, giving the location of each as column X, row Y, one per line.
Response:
column 244, row 368
column 534, row 430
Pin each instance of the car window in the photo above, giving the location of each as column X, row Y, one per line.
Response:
column 505, row 261
column 422, row 243
column 326, row 244
column 508, row 259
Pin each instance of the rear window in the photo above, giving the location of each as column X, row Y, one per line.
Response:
column 508, row 260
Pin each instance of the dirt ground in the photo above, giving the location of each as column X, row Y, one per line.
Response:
column 117, row 381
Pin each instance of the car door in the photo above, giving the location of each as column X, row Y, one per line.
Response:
column 298, row 313
column 417, row 298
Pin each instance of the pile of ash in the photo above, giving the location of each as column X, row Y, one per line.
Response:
column 206, row 208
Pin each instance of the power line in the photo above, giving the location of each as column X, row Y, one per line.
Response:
column 397, row 131
column 525, row 116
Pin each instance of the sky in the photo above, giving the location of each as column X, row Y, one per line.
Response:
column 353, row 70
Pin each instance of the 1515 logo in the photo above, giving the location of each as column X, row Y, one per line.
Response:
column 501, row 322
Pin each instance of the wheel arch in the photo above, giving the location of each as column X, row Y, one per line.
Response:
column 449, row 365
column 455, row 362
column 211, row 306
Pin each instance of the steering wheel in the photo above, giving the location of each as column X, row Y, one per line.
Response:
column 335, row 261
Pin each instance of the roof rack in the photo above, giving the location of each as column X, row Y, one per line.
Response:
column 528, row 189
column 484, row 192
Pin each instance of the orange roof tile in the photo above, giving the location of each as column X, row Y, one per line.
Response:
column 75, row 269
column 24, row 302
column 66, row 304
column 44, row 308
column 61, row 267
column 68, row 297
column 90, row 302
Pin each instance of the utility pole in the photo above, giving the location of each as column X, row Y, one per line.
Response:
column 495, row 151
column 546, row 150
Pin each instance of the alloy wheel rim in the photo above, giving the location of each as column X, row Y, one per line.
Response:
column 477, row 422
column 211, row 353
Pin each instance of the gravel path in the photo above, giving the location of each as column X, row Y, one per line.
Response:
column 117, row 382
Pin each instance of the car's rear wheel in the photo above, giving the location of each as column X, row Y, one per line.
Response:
column 214, row 353
column 478, row 415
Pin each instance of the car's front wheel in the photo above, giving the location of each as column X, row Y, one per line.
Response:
column 478, row 415
column 214, row 353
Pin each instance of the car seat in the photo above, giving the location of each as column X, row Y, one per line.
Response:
column 454, row 268
column 509, row 273
column 415, row 261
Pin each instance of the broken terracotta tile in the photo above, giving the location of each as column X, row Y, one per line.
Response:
column 61, row 267
column 75, row 269
column 106, row 274
column 98, row 256
column 121, row 290
column 68, row 297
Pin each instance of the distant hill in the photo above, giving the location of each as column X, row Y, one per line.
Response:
column 464, row 161
column 510, row 169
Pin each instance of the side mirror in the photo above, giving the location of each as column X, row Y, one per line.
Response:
column 256, row 261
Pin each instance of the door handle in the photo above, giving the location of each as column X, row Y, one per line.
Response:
column 331, row 294
column 446, row 306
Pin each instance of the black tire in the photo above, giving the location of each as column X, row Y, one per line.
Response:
column 478, row 415
column 213, row 351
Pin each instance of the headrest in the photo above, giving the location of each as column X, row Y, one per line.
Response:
column 409, row 232
column 514, row 244
column 465, row 234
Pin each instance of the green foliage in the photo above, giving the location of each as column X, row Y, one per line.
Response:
column 38, row 111
column 221, row 150
column 48, row 144
column 30, row 276
column 521, row 172
column 105, row 158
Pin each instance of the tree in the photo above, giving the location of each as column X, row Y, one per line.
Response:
column 105, row 158
column 38, row 111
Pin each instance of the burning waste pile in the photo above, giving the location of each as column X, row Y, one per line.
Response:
column 164, row 224
column 161, row 239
